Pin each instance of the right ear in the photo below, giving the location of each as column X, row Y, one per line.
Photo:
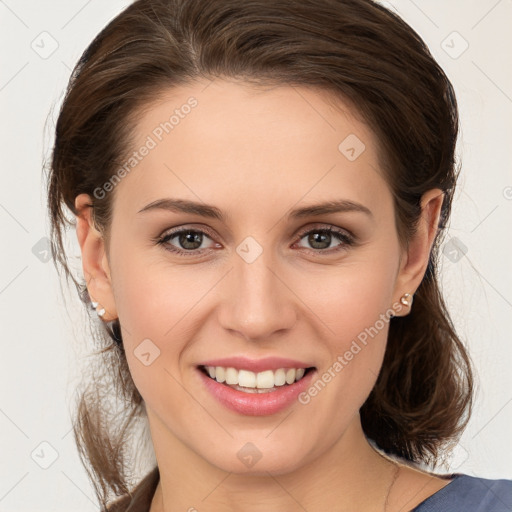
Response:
column 94, row 258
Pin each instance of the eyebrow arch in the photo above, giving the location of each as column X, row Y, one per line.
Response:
column 205, row 210
column 185, row 206
column 341, row 205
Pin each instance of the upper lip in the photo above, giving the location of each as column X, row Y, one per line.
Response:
column 256, row 365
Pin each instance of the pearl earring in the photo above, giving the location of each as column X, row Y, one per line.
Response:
column 406, row 299
column 101, row 311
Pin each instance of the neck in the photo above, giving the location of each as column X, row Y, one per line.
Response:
column 349, row 476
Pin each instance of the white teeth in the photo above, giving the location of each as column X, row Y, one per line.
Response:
column 231, row 376
column 246, row 379
column 219, row 373
column 290, row 375
column 262, row 380
column 279, row 377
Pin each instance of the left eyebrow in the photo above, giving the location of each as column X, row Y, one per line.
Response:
column 205, row 210
column 328, row 207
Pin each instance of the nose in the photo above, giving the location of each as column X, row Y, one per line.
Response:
column 259, row 302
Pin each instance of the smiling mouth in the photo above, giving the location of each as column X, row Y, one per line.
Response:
column 251, row 382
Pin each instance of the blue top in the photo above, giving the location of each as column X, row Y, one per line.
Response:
column 463, row 494
column 467, row 493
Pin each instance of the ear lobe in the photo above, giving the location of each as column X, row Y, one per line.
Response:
column 416, row 256
column 94, row 259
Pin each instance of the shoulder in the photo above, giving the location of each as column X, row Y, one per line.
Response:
column 140, row 498
column 470, row 494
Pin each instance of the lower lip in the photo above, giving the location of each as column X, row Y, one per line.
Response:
column 256, row 404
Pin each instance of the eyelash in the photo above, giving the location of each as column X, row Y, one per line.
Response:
column 347, row 239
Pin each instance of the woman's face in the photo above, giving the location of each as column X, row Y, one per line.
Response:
column 252, row 279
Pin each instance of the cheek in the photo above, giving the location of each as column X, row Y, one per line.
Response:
column 350, row 298
column 152, row 302
column 354, row 302
column 153, row 296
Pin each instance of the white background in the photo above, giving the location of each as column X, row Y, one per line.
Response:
column 42, row 335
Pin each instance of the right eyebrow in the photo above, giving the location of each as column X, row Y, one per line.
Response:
column 185, row 206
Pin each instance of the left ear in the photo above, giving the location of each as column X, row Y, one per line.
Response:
column 415, row 257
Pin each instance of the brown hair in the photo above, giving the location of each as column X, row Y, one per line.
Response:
column 358, row 51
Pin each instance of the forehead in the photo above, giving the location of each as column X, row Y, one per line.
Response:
column 227, row 140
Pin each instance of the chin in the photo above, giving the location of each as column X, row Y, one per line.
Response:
column 257, row 458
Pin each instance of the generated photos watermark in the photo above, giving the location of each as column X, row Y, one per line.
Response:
column 357, row 345
column 152, row 140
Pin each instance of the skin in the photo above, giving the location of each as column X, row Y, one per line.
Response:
column 254, row 153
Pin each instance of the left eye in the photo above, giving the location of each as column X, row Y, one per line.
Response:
column 320, row 239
